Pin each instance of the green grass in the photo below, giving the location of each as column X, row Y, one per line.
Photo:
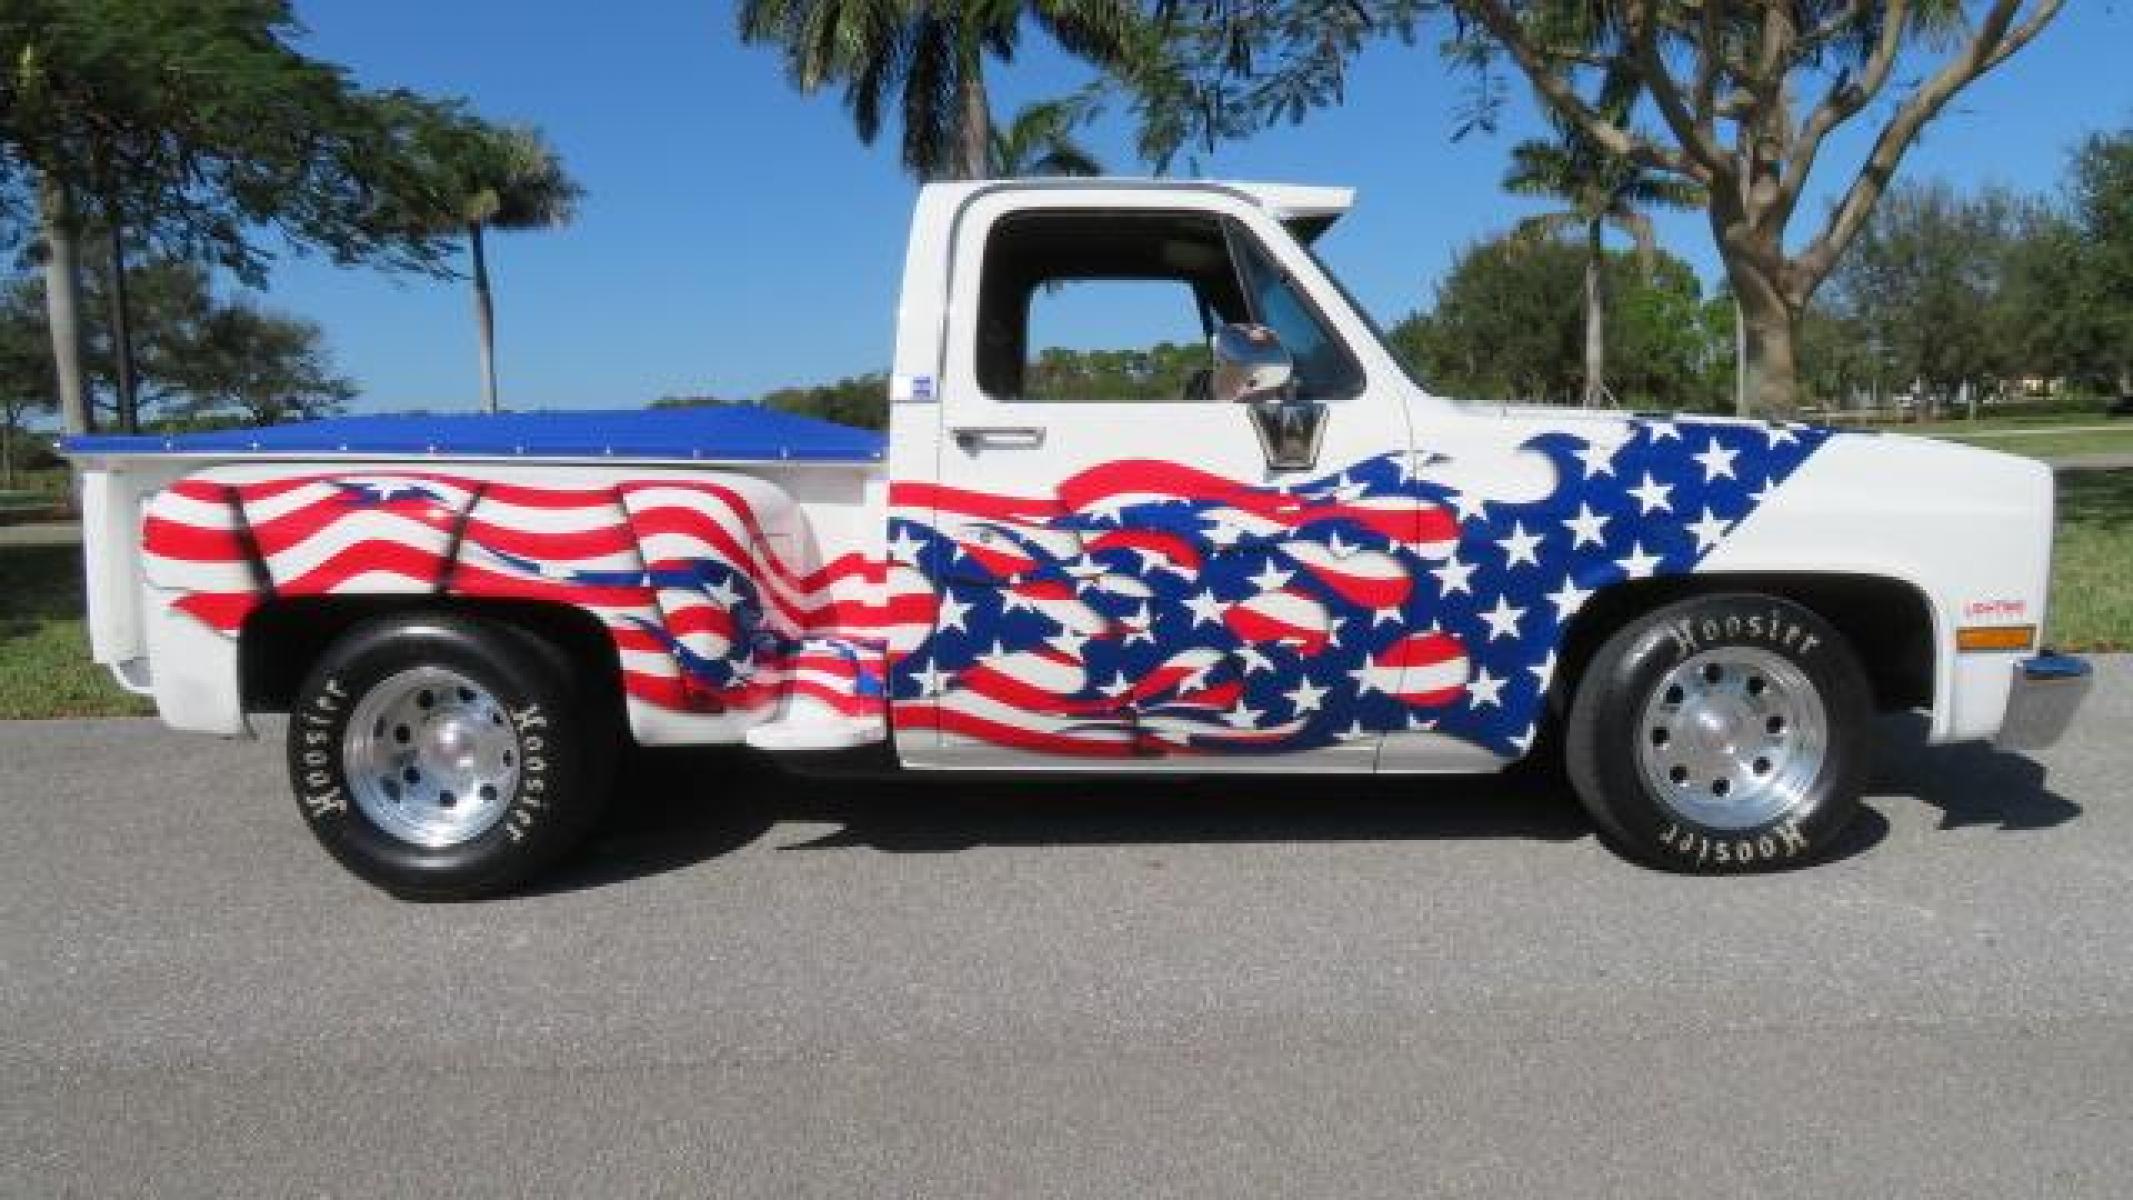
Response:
column 44, row 647
column 2050, row 445
column 2092, row 571
column 44, row 644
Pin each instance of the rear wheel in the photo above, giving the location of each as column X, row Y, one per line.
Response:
column 1723, row 733
column 445, row 758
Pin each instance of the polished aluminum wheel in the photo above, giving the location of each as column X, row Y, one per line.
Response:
column 431, row 757
column 1733, row 737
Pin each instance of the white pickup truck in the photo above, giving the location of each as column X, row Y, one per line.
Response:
column 1301, row 561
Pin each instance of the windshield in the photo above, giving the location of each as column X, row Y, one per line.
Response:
column 1362, row 313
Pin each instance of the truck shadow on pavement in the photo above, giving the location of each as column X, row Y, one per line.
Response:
column 677, row 808
column 1969, row 782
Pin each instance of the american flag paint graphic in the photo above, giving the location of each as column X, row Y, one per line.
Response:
column 1151, row 608
column 705, row 617
column 1144, row 608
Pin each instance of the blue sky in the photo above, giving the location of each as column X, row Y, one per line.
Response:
column 737, row 237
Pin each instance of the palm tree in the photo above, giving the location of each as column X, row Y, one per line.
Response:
column 1598, row 189
column 506, row 178
column 1040, row 141
column 928, row 57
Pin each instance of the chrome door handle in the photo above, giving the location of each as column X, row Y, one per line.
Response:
column 970, row 437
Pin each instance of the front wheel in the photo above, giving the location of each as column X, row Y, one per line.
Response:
column 1720, row 734
column 442, row 758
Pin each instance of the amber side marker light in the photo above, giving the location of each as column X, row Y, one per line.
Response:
column 1973, row 639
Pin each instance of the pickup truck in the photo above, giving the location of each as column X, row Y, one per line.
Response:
column 1299, row 559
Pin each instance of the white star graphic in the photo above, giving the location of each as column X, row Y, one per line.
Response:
column 1452, row 577
column 1142, row 626
column 930, row 681
column 1366, row 680
column 1587, row 526
column 1333, row 630
column 1384, row 616
column 952, row 612
column 1253, row 660
column 1470, row 507
column 1084, row 568
column 1242, row 717
column 1152, row 561
column 1717, row 461
column 1520, row 546
column 1270, row 580
column 1117, row 687
column 1306, row 698
column 1639, row 564
column 1708, row 530
column 1338, row 548
column 1652, row 494
column 1664, row 431
column 1543, row 671
column 1779, row 434
column 904, row 548
column 1355, row 732
column 1503, row 619
column 1485, row 690
column 1068, row 642
column 1014, row 601
column 1599, row 459
column 1205, row 609
column 1222, row 532
column 1568, row 599
column 722, row 593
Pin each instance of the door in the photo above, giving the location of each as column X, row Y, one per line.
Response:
column 1124, row 578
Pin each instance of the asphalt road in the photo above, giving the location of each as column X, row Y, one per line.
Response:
column 763, row 986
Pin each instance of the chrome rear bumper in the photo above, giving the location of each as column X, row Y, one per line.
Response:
column 2047, row 691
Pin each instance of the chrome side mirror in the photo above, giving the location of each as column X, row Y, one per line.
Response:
column 1254, row 369
column 1250, row 364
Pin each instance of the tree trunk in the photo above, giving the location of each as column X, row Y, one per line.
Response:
column 1595, row 318
column 975, row 126
column 62, row 300
column 1773, row 366
column 7, row 452
column 129, row 402
column 484, row 316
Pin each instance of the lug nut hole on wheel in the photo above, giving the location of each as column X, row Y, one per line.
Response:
column 1659, row 737
column 1775, row 725
column 1679, row 774
column 1756, row 685
column 1673, row 695
column 1712, row 673
column 1762, row 766
column 1719, row 787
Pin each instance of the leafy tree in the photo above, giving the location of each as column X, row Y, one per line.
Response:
column 195, row 127
column 25, row 368
column 1747, row 94
column 928, row 58
column 1926, row 283
column 860, row 400
column 1507, row 324
column 481, row 178
column 248, row 367
column 2099, row 340
column 1040, row 141
column 1597, row 188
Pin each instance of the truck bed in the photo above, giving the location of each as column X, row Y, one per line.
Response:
column 718, row 434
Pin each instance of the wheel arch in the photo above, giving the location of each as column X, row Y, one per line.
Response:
column 1888, row 621
column 285, row 636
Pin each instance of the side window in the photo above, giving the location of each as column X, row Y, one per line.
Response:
column 1324, row 368
column 1113, row 339
column 1103, row 305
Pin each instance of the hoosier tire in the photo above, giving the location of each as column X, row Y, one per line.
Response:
column 1725, row 733
column 443, row 758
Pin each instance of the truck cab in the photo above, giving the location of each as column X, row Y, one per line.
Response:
column 1279, row 552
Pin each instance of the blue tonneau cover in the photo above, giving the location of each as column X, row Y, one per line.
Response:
column 724, row 433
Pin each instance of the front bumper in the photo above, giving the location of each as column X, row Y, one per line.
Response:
column 2047, row 691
